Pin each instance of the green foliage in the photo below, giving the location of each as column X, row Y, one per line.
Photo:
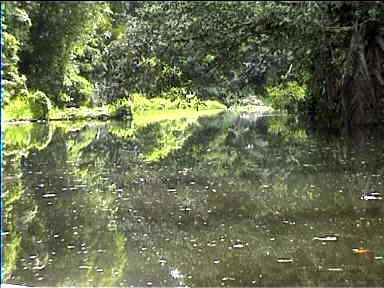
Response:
column 14, row 27
column 18, row 108
column 64, row 34
column 172, row 102
column 122, row 112
column 177, row 54
column 286, row 96
column 77, row 89
column 40, row 105
column 186, row 52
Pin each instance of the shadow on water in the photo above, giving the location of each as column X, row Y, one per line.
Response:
column 226, row 200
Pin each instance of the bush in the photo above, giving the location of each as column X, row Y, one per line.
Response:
column 17, row 108
column 286, row 96
column 123, row 112
column 39, row 105
column 14, row 82
column 191, row 101
column 79, row 90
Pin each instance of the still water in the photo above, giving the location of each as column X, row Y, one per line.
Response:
column 225, row 200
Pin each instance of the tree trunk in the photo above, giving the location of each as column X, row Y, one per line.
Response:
column 362, row 89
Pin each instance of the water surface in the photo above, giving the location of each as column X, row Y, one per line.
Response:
column 225, row 200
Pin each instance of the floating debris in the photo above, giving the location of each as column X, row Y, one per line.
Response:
column 238, row 245
column 212, row 244
column 284, row 260
column 176, row 274
column 228, row 278
column 369, row 196
column 326, row 238
column 49, row 195
column 162, row 260
column 360, row 250
column 336, row 269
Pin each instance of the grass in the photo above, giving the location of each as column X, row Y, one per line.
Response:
column 17, row 109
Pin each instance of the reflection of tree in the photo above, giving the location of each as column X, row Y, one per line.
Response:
column 262, row 177
column 187, row 192
column 61, row 223
column 20, row 139
column 13, row 190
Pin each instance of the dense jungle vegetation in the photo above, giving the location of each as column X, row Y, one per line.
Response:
column 324, row 60
column 197, row 189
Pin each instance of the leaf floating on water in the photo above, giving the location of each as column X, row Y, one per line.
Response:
column 162, row 260
column 176, row 274
column 228, row 278
column 238, row 246
column 326, row 238
column 360, row 250
column 337, row 269
column 369, row 196
column 284, row 260
column 49, row 195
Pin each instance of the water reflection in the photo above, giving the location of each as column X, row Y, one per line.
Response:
column 225, row 200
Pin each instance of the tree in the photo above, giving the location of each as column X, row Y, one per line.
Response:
column 62, row 37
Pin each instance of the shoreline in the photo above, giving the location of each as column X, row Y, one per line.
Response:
column 106, row 117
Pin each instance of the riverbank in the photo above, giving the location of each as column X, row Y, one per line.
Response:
column 65, row 114
column 19, row 111
column 156, row 109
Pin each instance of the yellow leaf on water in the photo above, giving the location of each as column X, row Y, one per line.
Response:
column 360, row 250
